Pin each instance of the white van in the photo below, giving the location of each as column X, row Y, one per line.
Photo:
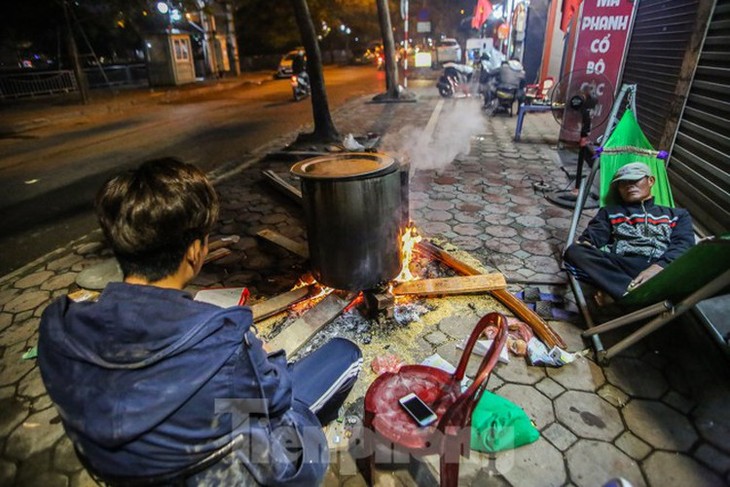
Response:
column 448, row 51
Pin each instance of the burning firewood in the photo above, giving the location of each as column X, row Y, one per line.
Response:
column 293, row 337
column 280, row 303
column 452, row 285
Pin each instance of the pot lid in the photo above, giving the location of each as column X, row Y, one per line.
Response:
column 343, row 165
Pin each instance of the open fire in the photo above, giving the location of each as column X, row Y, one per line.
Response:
column 320, row 292
column 409, row 239
column 377, row 301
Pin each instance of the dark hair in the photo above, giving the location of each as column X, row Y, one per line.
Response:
column 152, row 214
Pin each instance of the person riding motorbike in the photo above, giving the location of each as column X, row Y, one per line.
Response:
column 505, row 87
column 489, row 68
column 455, row 76
column 299, row 64
column 511, row 74
column 300, row 78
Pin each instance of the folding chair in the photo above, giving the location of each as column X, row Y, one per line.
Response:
column 661, row 297
column 701, row 273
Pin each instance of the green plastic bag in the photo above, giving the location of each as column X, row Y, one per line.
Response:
column 499, row 424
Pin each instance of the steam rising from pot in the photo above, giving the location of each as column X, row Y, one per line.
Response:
column 425, row 149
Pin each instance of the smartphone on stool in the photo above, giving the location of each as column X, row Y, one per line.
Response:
column 418, row 410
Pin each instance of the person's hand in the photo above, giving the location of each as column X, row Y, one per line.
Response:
column 645, row 275
column 585, row 243
column 266, row 346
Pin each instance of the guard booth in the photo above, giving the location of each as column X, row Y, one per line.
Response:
column 169, row 59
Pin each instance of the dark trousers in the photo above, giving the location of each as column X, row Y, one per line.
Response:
column 609, row 272
column 323, row 379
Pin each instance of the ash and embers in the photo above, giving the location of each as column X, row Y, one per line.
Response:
column 355, row 325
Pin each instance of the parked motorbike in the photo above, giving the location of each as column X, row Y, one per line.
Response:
column 300, row 85
column 454, row 78
column 447, row 85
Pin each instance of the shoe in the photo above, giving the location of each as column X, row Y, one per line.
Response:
column 533, row 295
column 602, row 299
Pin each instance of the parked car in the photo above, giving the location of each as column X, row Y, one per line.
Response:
column 284, row 70
column 448, row 51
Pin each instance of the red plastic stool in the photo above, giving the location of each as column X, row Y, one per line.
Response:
column 387, row 422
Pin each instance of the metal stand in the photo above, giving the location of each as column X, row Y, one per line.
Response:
column 583, row 191
column 665, row 310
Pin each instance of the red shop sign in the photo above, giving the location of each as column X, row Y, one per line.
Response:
column 603, row 30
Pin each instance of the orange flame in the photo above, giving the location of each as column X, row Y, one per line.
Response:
column 321, row 293
column 355, row 302
column 409, row 239
column 305, row 280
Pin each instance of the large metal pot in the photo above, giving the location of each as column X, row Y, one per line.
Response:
column 355, row 208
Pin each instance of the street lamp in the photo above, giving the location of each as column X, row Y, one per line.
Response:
column 346, row 31
column 164, row 9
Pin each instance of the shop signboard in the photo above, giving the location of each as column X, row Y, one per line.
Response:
column 602, row 30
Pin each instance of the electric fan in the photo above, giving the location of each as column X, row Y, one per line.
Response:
column 581, row 104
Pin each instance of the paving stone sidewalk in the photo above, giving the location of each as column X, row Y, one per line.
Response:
column 657, row 415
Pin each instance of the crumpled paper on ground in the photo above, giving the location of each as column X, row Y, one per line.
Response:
column 439, row 362
column 386, row 363
column 519, row 334
column 351, row 144
column 538, row 354
column 481, row 347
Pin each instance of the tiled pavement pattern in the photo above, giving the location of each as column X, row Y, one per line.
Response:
column 657, row 415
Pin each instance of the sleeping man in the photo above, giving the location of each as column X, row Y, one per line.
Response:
column 627, row 244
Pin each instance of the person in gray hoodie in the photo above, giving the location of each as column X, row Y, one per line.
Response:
column 150, row 383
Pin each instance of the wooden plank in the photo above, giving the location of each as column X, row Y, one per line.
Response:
column 286, row 243
column 538, row 325
column 428, row 248
column 451, row 285
column 293, row 337
column 217, row 254
column 279, row 303
column 221, row 242
column 281, row 185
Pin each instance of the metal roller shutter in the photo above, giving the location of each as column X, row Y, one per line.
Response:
column 699, row 166
column 659, row 40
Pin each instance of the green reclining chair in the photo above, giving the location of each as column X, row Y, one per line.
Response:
column 703, row 272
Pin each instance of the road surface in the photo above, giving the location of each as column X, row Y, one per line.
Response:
column 49, row 175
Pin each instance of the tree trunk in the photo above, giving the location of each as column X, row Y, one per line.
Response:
column 73, row 52
column 386, row 29
column 324, row 127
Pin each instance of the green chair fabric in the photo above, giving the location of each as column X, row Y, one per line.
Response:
column 698, row 266
column 627, row 143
